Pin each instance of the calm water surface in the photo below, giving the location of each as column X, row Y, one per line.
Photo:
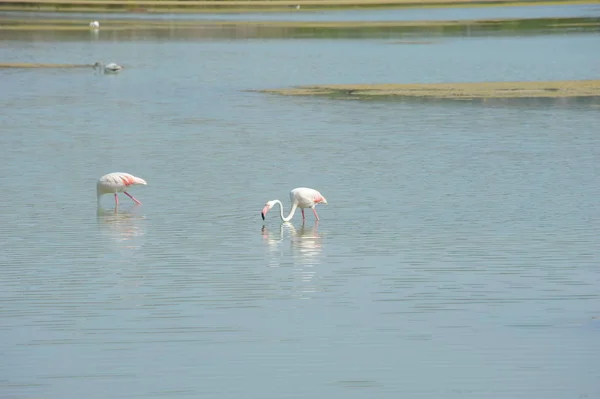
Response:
column 457, row 258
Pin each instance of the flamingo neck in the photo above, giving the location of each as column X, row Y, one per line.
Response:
column 99, row 194
column 291, row 214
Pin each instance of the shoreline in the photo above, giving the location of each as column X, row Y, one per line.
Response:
column 405, row 27
column 249, row 6
column 449, row 91
column 25, row 65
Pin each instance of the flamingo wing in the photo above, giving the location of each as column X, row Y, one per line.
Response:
column 119, row 181
column 306, row 197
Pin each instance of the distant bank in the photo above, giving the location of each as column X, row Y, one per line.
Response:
column 207, row 6
column 452, row 91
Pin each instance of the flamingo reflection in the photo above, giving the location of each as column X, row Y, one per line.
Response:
column 306, row 248
column 125, row 232
column 124, row 227
column 305, row 241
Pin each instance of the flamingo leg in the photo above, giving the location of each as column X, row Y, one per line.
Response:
column 132, row 197
column 302, row 209
column 116, row 200
column 315, row 212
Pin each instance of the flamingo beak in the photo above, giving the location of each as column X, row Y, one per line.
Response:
column 264, row 211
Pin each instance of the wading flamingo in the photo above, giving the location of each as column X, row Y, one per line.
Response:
column 302, row 198
column 94, row 24
column 117, row 182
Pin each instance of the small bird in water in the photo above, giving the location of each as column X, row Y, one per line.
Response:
column 94, row 24
column 117, row 182
column 302, row 198
column 108, row 68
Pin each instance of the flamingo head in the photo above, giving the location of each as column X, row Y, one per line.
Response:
column 267, row 208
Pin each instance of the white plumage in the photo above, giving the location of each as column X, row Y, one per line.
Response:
column 94, row 24
column 108, row 68
column 117, row 182
column 301, row 197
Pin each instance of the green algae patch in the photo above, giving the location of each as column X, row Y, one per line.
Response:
column 30, row 65
column 208, row 6
column 326, row 29
column 455, row 91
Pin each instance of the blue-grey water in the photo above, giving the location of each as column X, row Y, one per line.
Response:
column 457, row 258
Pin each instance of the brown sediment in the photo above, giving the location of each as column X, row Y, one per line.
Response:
column 412, row 42
column 573, row 25
column 253, row 5
column 457, row 91
column 30, row 65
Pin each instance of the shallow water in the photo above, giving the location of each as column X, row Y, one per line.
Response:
column 457, row 257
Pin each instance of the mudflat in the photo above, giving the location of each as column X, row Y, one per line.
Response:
column 41, row 65
column 464, row 91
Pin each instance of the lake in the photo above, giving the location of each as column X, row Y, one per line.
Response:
column 457, row 256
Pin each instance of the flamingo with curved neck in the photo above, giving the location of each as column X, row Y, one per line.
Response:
column 300, row 197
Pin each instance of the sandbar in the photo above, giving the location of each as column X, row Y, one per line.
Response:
column 456, row 91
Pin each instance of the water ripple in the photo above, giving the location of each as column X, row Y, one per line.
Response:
column 457, row 256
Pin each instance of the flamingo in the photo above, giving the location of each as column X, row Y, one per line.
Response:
column 94, row 24
column 302, row 198
column 117, row 182
column 108, row 68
